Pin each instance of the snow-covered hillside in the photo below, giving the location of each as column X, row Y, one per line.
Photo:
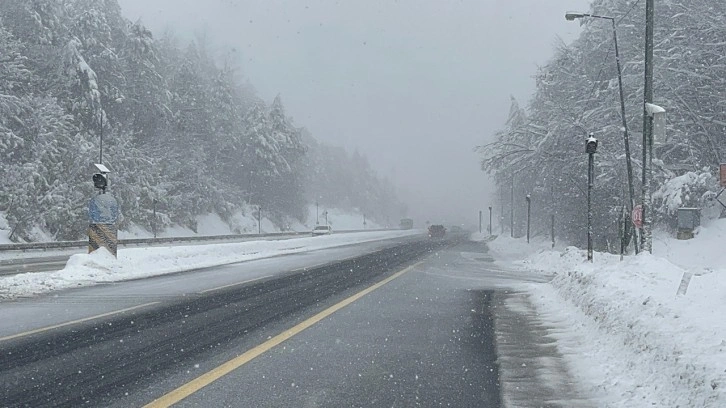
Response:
column 241, row 223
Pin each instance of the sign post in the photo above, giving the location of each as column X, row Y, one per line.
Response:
column 103, row 212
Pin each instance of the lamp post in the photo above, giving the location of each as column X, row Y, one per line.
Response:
column 590, row 149
column 259, row 220
column 511, row 209
column 153, row 225
column 529, row 212
column 480, row 221
column 317, row 213
column 571, row 16
column 490, row 220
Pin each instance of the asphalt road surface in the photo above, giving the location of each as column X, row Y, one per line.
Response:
column 413, row 322
column 38, row 264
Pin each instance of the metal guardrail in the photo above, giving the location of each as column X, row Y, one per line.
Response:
column 155, row 241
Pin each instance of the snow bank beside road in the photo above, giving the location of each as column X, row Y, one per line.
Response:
column 624, row 327
column 134, row 263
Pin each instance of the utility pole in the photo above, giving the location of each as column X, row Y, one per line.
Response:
column 647, row 243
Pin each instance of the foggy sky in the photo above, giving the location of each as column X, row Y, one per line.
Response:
column 413, row 84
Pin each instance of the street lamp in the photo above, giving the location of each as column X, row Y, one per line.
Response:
column 153, row 225
column 511, row 209
column 572, row 16
column 590, row 149
column 259, row 220
column 529, row 207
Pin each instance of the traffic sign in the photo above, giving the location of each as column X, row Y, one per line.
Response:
column 637, row 216
column 103, row 209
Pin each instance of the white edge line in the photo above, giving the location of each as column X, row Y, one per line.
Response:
column 235, row 284
column 72, row 322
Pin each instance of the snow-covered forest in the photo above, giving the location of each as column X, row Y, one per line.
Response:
column 541, row 148
column 179, row 128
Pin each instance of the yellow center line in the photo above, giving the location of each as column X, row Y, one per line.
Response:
column 209, row 377
column 85, row 319
column 235, row 284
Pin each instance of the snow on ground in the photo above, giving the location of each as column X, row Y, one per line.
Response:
column 339, row 219
column 134, row 263
column 242, row 222
column 637, row 332
column 245, row 222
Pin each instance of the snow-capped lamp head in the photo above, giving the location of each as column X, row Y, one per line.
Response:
column 100, row 180
column 591, row 144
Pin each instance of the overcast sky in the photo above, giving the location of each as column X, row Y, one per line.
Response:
column 413, row 84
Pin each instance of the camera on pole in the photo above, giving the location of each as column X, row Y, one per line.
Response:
column 103, row 215
column 100, row 179
column 591, row 145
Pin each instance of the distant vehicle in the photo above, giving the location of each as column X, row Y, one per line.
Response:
column 437, row 231
column 406, row 223
column 322, row 230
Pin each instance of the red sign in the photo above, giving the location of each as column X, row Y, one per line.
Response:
column 637, row 216
column 723, row 174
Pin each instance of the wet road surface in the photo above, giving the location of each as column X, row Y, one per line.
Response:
column 419, row 323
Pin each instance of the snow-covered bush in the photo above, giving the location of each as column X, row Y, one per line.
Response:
column 692, row 189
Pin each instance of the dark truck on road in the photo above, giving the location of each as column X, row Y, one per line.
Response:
column 437, row 231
